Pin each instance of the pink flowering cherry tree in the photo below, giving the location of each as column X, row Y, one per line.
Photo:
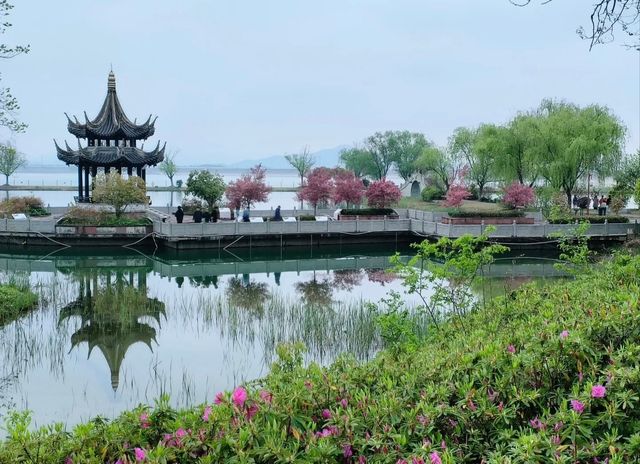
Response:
column 518, row 195
column 348, row 188
column 383, row 194
column 318, row 189
column 458, row 191
column 249, row 189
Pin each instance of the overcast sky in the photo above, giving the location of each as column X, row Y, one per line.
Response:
column 245, row 79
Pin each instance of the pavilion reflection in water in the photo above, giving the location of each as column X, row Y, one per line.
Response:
column 110, row 306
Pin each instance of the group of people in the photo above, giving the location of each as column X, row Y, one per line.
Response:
column 198, row 215
column 205, row 216
column 601, row 204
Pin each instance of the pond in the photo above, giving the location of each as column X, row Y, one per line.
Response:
column 118, row 328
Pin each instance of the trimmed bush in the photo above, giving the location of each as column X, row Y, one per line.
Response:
column 590, row 219
column 368, row 212
column 496, row 214
column 431, row 193
column 78, row 216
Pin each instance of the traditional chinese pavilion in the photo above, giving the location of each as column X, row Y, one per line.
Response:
column 111, row 143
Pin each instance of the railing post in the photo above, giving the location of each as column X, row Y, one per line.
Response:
column 481, row 226
column 435, row 232
column 385, row 223
column 357, row 223
column 606, row 227
column 515, row 231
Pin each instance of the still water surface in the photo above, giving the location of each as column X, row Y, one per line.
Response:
column 118, row 329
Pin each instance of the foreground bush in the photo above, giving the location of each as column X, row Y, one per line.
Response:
column 545, row 374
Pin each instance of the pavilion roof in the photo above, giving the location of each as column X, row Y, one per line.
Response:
column 111, row 122
column 111, row 156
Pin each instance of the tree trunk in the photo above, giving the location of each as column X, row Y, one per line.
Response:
column 7, row 179
column 568, row 193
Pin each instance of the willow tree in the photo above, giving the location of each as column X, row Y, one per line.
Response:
column 8, row 103
column 10, row 160
column 168, row 166
column 576, row 141
column 303, row 163
column 472, row 146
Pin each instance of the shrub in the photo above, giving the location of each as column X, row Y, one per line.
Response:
column 518, row 195
column 590, row 219
column 190, row 204
column 382, row 194
column 455, row 195
column 431, row 193
column 79, row 216
column 368, row 212
column 495, row 214
column 29, row 205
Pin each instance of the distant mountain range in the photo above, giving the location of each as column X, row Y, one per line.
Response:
column 328, row 157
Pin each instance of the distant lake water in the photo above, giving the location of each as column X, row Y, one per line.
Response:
column 68, row 175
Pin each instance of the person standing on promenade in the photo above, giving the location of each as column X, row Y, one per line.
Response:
column 179, row 214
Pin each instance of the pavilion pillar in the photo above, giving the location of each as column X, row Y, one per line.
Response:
column 120, row 170
column 107, row 169
column 129, row 170
column 144, row 175
column 139, row 171
column 80, row 183
column 86, row 182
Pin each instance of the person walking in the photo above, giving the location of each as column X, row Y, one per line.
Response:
column 277, row 216
column 245, row 215
column 602, row 206
column 179, row 214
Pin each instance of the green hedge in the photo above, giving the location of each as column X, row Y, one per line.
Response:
column 432, row 193
column 368, row 212
column 545, row 374
column 111, row 221
column 591, row 219
column 14, row 301
column 487, row 214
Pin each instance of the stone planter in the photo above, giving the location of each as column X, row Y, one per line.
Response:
column 342, row 217
column 486, row 220
column 103, row 231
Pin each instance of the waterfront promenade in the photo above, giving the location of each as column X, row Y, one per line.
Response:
column 412, row 225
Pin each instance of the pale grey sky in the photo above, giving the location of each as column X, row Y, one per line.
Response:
column 245, row 79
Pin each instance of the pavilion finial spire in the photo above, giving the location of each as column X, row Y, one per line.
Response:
column 111, row 81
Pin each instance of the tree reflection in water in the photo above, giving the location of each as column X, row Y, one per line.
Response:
column 316, row 292
column 247, row 294
column 347, row 279
column 381, row 276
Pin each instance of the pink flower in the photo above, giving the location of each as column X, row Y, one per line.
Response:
column 564, row 334
column 580, row 377
column 343, row 402
column 577, row 406
column 252, row 410
column 500, row 406
column 68, row 460
column 435, row 458
column 417, row 460
column 598, row 391
column 362, row 460
column 443, row 445
column 119, row 461
column 219, row 398
column 347, row 452
column 266, row 396
column 239, row 396
column 492, row 394
column 308, row 384
column 537, row 424
column 511, row 349
column 555, row 439
column 326, row 414
column 140, row 454
column 180, row 433
column 206, row 414
column 144, row 420
column 472, row 406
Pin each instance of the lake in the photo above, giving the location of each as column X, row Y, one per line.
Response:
column 120, row 328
